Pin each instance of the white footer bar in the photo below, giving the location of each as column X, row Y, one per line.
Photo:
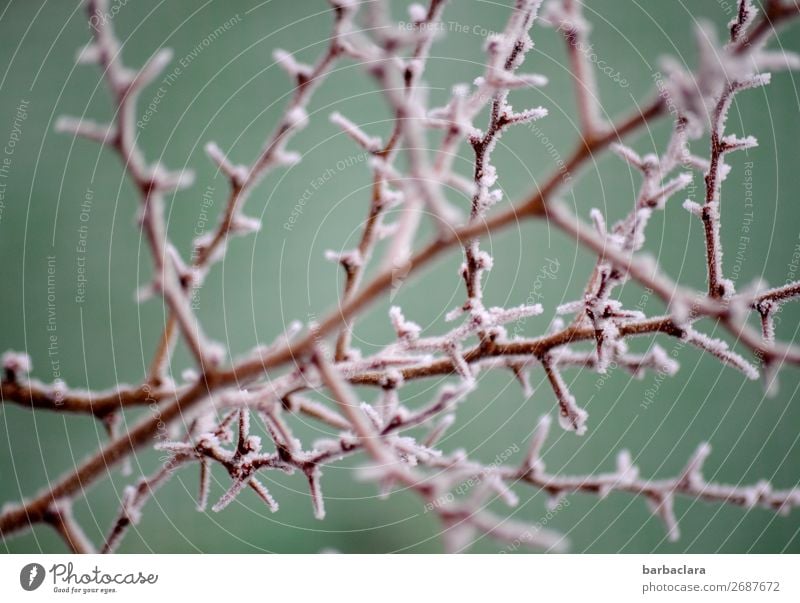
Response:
column 400, row 578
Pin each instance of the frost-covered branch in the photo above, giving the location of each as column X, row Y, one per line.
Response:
column 407, row 448
column 60, row 516
column 659, row 493
column 566, row 16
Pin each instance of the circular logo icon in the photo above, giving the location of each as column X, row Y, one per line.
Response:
column 31, row 576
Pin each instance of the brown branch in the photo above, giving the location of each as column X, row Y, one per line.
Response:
column 776, row 13
column 535, row 348
column 36, row 395
column 574, row 28
column 59, row 516
column 369, row 235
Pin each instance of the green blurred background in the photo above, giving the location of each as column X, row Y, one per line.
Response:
column 230, row 91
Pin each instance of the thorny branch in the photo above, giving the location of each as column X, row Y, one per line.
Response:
column 396, row 57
